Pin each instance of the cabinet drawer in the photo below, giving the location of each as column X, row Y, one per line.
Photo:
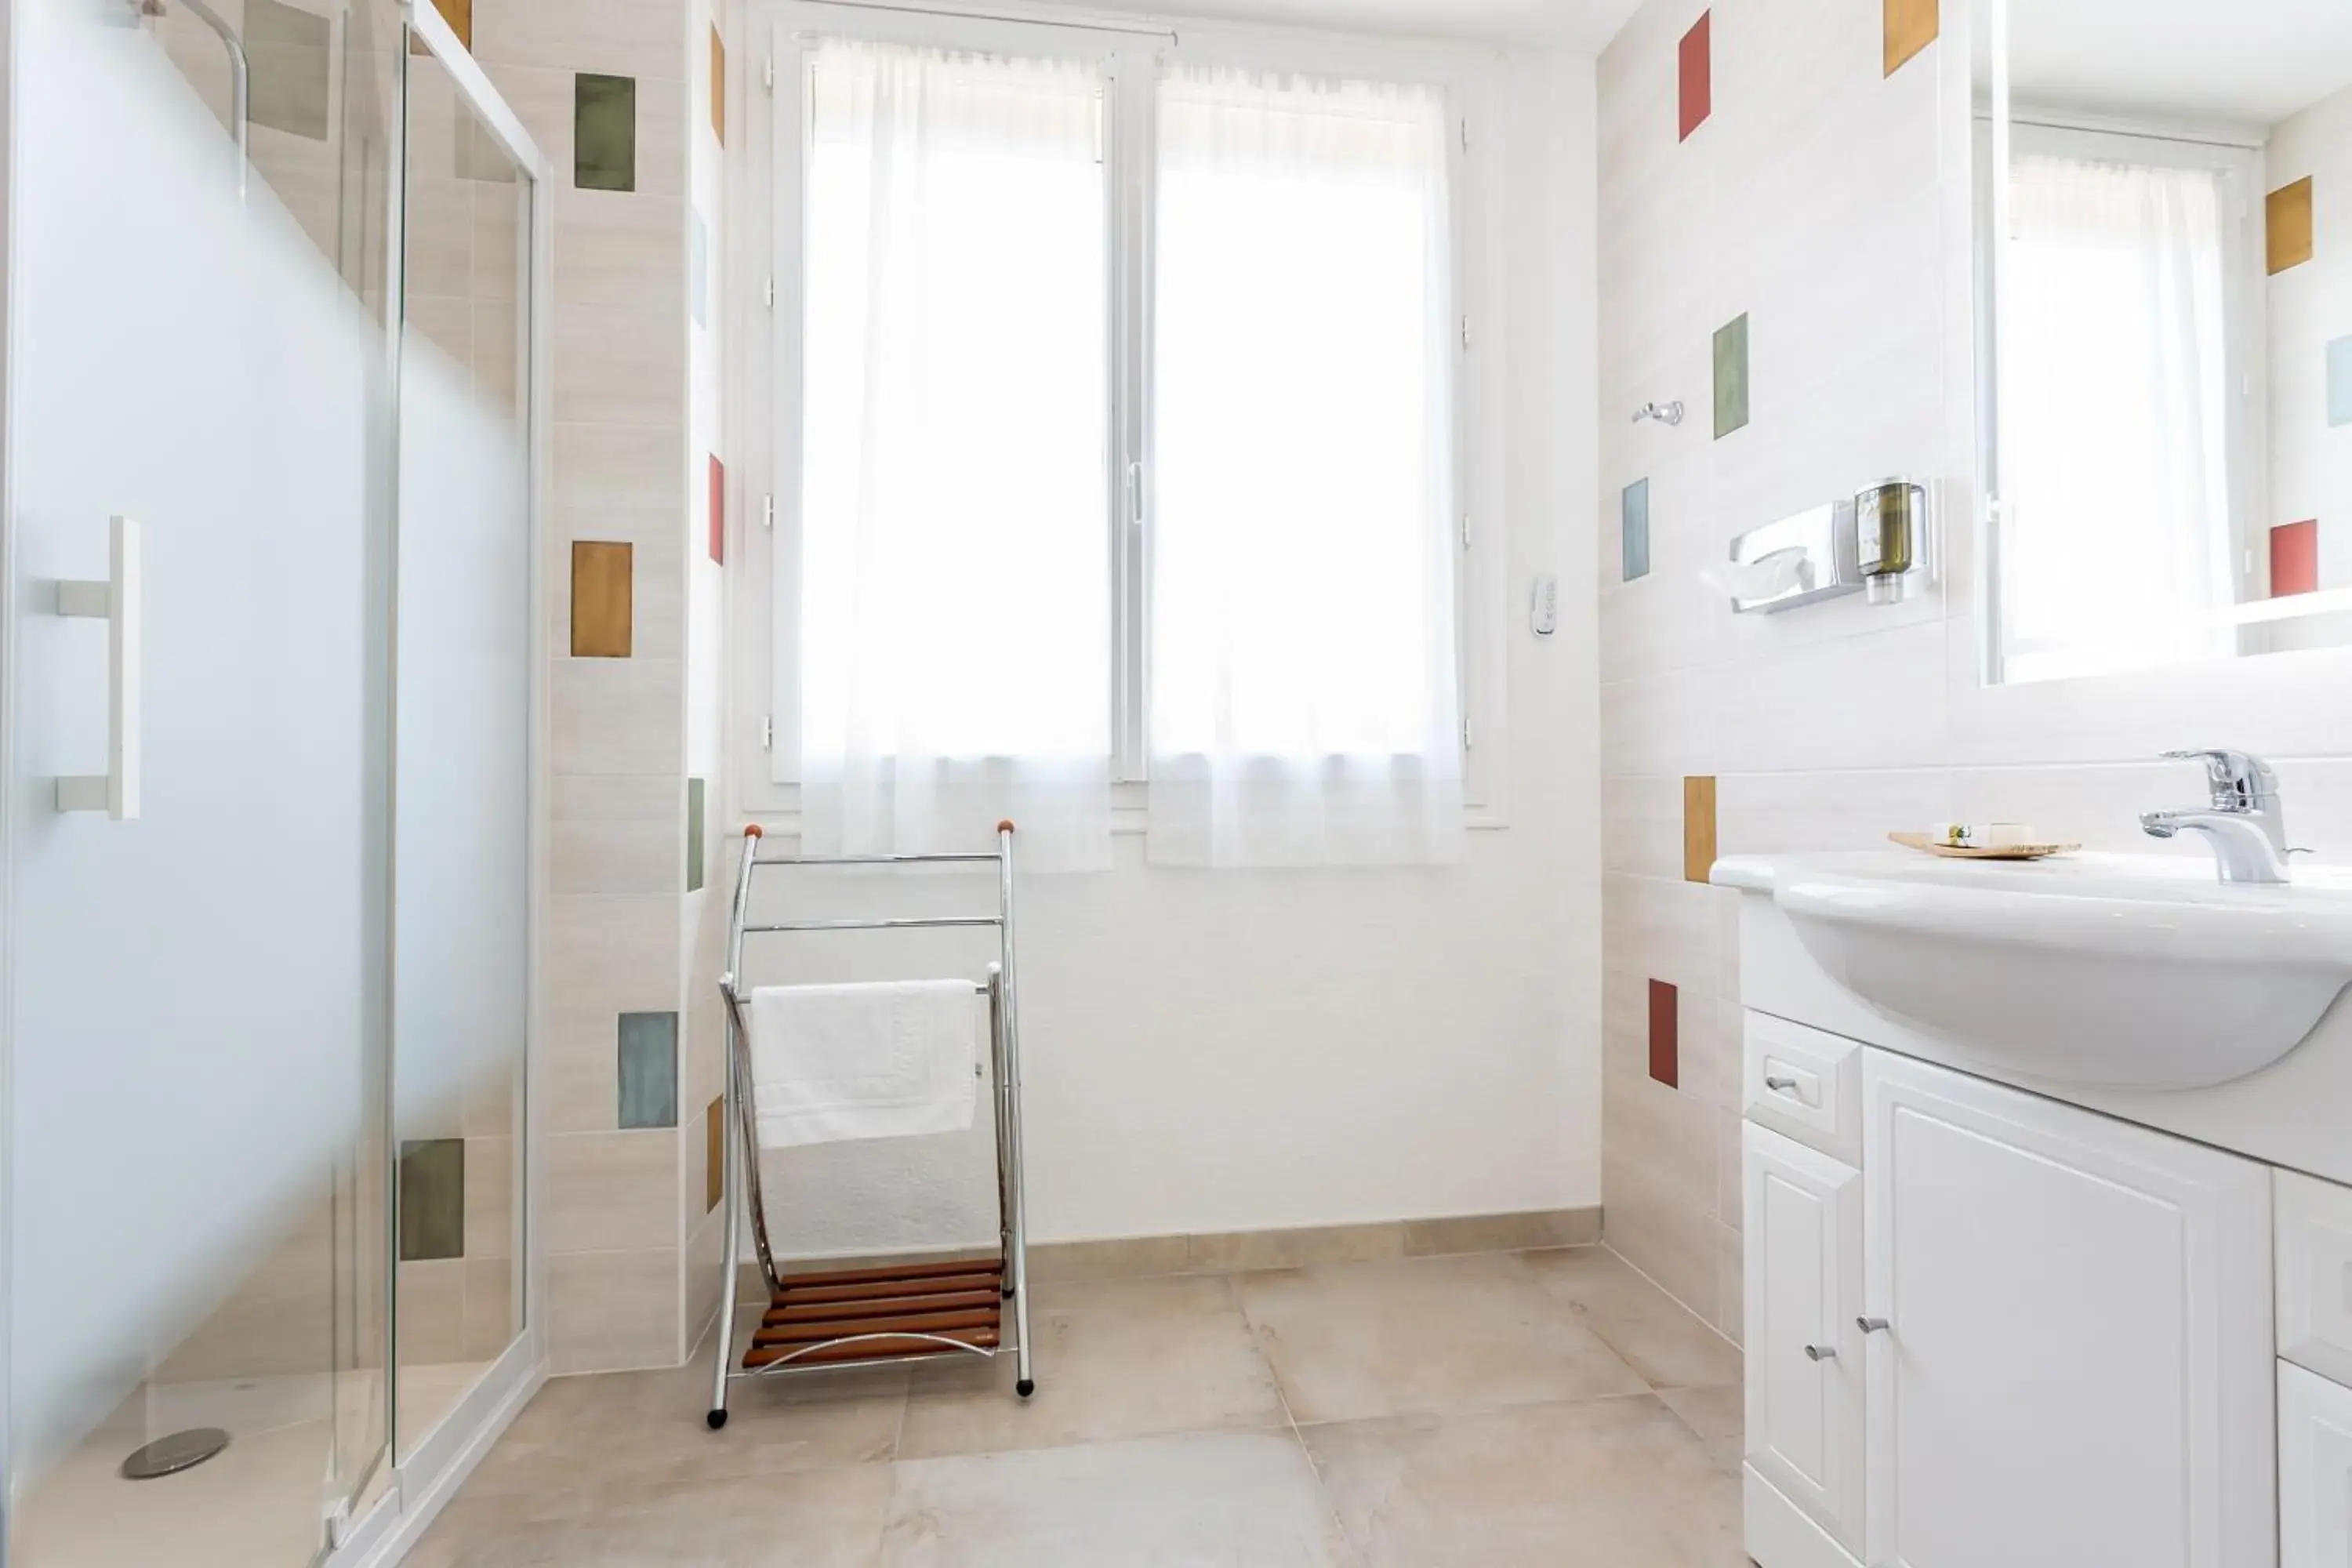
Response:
column 2315, row 1471
column 1805, row 1084
column 2315, row 1275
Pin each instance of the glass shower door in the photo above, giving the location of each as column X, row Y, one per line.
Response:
column 198, row 783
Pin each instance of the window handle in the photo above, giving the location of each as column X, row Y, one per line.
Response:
column 1134, row 494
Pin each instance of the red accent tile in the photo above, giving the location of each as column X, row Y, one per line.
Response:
column 1697, row 74
column 2294, row 558
column 1665, row 1035
column 717, row 509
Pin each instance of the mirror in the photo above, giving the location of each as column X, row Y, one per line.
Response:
column 2164, row 281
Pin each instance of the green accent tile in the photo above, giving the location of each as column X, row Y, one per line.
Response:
column 1731, row 378
column 648, row 1069
column 605, row 132
column 695, row 851
column 2339, row 381
column 431, row 1199
column 1635, row 514
column 289, row 67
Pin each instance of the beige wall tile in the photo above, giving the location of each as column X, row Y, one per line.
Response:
column 618, row 37
column 1502, row 1233
column 1673, row 1242
column 619, row 366
column 606, row 956
column 613, row 1312
column 602, row 469
column 612, row 1192
column 616, row 834
column 618, row 716
column 1731, row 1285
column 1132, row 1258
column 1238, row 1251
column 622, row 249
column 489, row 1197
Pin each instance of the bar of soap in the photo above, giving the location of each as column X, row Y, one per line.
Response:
column 1982, row 835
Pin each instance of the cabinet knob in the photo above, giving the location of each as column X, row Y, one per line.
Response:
column 1780, row 1084
column 1872, row 1325
column 1819, row 1352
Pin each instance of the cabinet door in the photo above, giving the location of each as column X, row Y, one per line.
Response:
column 2077, row 1368
column 2315, row 1471
column 1804, row 1347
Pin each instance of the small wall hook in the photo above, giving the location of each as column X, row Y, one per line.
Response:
column 1664, row 413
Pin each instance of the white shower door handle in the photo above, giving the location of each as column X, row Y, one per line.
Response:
column 118, row 602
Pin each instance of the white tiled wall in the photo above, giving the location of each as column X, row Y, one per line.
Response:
column 1829, row 203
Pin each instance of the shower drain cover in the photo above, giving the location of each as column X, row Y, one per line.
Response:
column 169, row 1456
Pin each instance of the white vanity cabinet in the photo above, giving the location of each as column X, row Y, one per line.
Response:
column 2063, row 1335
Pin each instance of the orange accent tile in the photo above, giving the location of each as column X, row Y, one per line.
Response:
column 718, row 84
column 1911, row 27
column 714, row 1154
column 2288, row 220
column 603, row 599
column 1698, row 828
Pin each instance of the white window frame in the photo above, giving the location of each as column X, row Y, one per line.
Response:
column 762, row 311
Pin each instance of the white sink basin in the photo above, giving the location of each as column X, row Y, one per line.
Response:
column 2124, row 971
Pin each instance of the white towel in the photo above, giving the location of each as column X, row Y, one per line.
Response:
column 835, row 1063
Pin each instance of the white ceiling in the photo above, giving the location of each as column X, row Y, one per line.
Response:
column 2248, row 60
column 1580, row 23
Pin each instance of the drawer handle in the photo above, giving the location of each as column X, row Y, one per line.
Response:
column 1819, row 1352
column 1781, row 1085
column 1872, row 1325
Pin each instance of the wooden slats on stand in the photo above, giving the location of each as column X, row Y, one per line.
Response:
column 960, row 1301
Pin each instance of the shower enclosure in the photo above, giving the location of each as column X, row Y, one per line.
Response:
column 269, row 749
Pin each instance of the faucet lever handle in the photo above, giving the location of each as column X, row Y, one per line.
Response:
column 2240, row 781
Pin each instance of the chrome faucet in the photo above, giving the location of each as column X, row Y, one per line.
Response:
column 2244, row 823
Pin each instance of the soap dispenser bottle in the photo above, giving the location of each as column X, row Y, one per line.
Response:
column 1890, row 534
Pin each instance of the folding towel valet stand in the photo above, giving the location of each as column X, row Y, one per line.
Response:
column 875, row 1317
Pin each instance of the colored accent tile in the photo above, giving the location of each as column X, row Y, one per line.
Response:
column 1698, row 829
column 714, row 1154
column 1694, row 74
column 718, row 84
column 1665, row 1035
column 698, row 262
column 289, row 65
column 1633, row 508
column 1911, row 27
column 605, row 132
column 694, row 844
column 648, row 1069
column 2339, row 381
column 717, row 509
column 1731, row 378
column 459, row 14
column 431, row 1199
column 2294, row 558
column 2287, row 215
column 602, row 598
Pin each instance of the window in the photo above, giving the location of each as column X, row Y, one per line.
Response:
column 1117, row 430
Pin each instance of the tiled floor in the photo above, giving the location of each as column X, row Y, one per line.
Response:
column 1552, row 1409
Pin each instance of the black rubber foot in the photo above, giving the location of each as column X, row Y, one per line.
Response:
column 1025, row 1387
column 1008, row 1292
column 717, row 1418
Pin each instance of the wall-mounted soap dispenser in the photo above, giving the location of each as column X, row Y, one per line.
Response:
column 1890, row 529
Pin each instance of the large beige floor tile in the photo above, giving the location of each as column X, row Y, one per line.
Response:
column 1652, row 1333
column 1440, row 1335
column 1719, row 1417
column 816, row 1518
column 1244, row 1500
column 1114, row 1359
column 1611, row 1483
column 584, row 1434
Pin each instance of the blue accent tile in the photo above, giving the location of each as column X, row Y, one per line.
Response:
column 1635, row 504
column 2339, row 381
column 648, row 1072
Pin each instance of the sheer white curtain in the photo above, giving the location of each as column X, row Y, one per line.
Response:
column 1305, row 705
column 954, row 606
column 2116, row 419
